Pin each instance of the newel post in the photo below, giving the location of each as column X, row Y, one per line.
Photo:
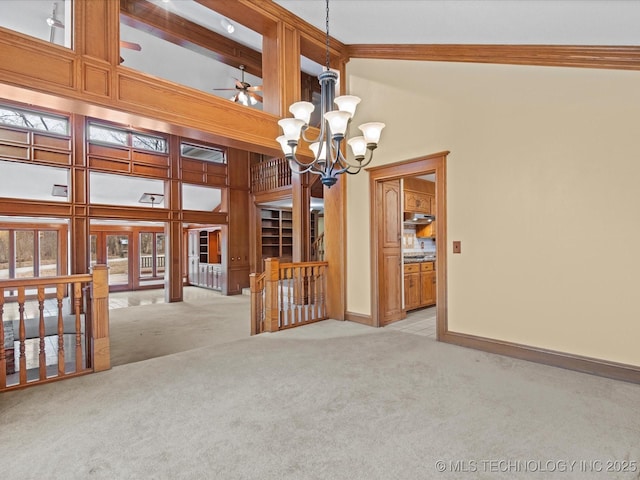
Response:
column 100, row 345
column 272, row 314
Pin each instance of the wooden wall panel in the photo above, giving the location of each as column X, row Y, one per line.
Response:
column 150, row 171
column 107, row 151
column 96, row 163
column 11, row 151
column 150, row 158
column 96, row 80
column 41, row 140
column 183, row 106
column 46, row 156
column 13, row 136
column 54, row 66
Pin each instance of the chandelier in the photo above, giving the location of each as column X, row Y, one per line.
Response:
column 329, row 160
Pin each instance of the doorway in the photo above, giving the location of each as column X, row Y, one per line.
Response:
column 135, row 254
column 387, row 237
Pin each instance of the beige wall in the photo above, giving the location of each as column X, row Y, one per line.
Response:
column 542, row 190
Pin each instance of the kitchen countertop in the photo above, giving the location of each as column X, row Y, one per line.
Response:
column 419, row 259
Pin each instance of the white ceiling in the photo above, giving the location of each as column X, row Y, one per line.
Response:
column 562, row 22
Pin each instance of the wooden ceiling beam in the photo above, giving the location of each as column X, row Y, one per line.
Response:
column 168, row 26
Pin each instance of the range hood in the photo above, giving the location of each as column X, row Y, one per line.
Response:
column 418, row 218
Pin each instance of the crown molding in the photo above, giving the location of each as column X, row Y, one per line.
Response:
column 609, row 57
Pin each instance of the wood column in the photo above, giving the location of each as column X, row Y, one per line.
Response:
column 236, row 243
column 335, row 237
column 100, row 345
column 97, row 24
column 173, row 230
column 78, row 195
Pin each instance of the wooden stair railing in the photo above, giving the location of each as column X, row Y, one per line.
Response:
column 288, row 295
column 66, row 354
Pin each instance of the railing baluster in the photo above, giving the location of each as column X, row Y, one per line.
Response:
column 42, row 355
column 60, row 288
column 77, row 302
column 3, row 354
column 22, row 336
column 39, row 326
column 316, row 296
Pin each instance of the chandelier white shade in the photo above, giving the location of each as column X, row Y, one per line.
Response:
column 336, row 114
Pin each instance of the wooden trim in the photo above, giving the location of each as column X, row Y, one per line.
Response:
column 359, row 318
column 593, row 366
column 584, row 56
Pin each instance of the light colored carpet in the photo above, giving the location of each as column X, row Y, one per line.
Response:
column 149, row 331
column 332, row 400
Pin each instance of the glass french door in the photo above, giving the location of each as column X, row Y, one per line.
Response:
column 151, row 258
column 113, row 250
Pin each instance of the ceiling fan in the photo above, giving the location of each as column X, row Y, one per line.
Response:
column 246, row 94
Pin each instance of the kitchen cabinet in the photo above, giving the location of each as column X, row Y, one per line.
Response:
column 426, row 231
column 417, row 202
column 419, row 285
column 419, row 196
column 411, row 286
column 427, row 284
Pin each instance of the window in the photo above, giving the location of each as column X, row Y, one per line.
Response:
column 103, row 134
column 205, row 199
column 116, row 136
column 47, row 20
column 152, row 255
column 32, row 182
column 31, row 120
column 29, row 252
column 199, row 152
column 110, row 189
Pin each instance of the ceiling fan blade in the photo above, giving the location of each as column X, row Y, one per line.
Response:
column 256, row 88
column 239, row 84
column 130, row 45
column 256, row 96
column 225, row 89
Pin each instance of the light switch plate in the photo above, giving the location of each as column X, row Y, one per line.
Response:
column 457, row 246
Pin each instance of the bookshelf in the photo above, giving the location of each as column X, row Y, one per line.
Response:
column 276, row 233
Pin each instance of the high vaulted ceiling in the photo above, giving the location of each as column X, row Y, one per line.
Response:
column 559, row 22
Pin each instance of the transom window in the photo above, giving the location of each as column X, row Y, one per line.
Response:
column 115, row 136
column 33, row 120
column 200, row 152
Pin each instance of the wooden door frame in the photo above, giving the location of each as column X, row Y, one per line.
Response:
column 433, row 163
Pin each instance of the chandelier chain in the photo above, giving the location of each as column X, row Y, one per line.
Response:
column 327, row 39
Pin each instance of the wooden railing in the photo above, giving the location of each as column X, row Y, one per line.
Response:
column 288, row 295
column 54, row 345
column 270, row 175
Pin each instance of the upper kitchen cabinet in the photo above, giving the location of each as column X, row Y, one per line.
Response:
column 419, row 196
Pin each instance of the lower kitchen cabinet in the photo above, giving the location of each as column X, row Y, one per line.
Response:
column 419, row 285
column 411, row 286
